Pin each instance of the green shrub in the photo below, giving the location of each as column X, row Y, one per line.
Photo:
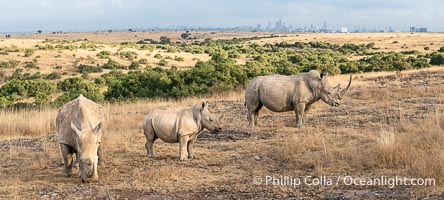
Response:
column 14, row 63
column 4, row 64
column 73, row 87
column 89, row 69
column 111, row 64
column 31, row 65
column 158, row 56
column 103, row 54
column 26, row 88
column 134, row 65
column 178, row 59
column 53, row 76
column 163, row 62
column 437, row 58
column 129, row 55
column 29, row 52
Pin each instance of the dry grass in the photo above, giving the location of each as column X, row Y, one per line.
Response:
column 136, row 36
column 383, row 41
column 27, row 123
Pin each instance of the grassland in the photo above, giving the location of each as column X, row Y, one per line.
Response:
column 50, row 59
column 390, row 123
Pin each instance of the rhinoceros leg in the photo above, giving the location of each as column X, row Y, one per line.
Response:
column 256, row 114
column 253, row 104
column 75, row 163
column 253, row 113
column 191, row 146
column 299, row 111
column 183, row 141
column 101, row 155
column 67, row 152
column 249, row 117
column 150, row 139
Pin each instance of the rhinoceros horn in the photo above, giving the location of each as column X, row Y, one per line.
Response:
column 348, row 86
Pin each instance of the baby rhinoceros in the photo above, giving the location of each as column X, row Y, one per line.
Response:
column 181, row 126
column 79, row 125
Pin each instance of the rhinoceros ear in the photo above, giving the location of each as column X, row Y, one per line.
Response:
column 97, row 128
column 324, row 78
column 204, row 105
column 338, row 87
column 76, row 130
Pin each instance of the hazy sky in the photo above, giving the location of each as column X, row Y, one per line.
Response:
column 53, row 15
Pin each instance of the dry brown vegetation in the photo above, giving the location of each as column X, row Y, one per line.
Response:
column 389, row 124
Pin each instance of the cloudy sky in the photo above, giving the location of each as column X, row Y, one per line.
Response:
column 78, row 15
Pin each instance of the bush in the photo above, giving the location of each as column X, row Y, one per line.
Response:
column 204, row 78
column 18, row 89
column 163, row 62
column 178, row 59
column 158, row 56
column 53, row 76
column 129, row 55
column 89, row 69
column 42, row 99
column 31, row 65
column 103, row 54
column 184, row 35
column 73, row 87
column 29, row 52
column 437, row 58
column 4, row 64
column 164, row 40
column 14, row 63
column 111, row 64
column 134, row 65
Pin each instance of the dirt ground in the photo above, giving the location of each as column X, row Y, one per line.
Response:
column 337, row 141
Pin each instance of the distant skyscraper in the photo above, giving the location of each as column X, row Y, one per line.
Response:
column 279, row 24
column 325, row 25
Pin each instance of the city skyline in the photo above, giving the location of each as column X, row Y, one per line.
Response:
column 272, row 26
column 95, row 15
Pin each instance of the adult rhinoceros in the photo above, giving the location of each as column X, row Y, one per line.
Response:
column 296, row 93
column 79, row 125
column 180, row 126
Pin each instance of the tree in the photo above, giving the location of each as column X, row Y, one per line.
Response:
column 73, row 87
column 164, row 40
column 134, row 65
column 39, row 31
column 437, row 58
column 184, row 35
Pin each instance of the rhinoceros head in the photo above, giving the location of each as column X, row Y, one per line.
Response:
column 209, row 120
column 332, row 95
column 88, row 139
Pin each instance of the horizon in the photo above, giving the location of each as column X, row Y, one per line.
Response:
column 98, row 15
